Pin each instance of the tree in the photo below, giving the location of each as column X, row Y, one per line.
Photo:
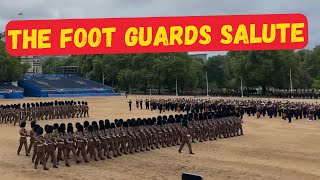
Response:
column 11, row 67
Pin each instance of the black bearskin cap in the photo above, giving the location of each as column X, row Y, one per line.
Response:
column 55, row 126
column 185, row 123
column 32, row 124
column 125, row 124
column 86, row 124
column 118, row 124
column 50, row 129
column 40, row 131
column 101, row 122
column 70, row 129
column 80, row 128
column 46, row 128
column 90, row 128
column 95, row 127
column 23, row 124
column 61, row 129
column 112, row 125
column 102, row 127
column 159, row 122
column 77, row 124
column 35, row 128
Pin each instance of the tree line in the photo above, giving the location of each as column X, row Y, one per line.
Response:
column 11, row 68
column 265, row 69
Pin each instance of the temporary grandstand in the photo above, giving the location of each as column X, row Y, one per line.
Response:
column 62, row 85
column 9, row 91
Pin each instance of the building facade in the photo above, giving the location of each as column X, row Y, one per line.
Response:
column 203, row 57
column 35, row 64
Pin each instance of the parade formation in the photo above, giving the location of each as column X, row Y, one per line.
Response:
column 254, row 107
column 16, row 113
column 105, row 139
column 195, row 120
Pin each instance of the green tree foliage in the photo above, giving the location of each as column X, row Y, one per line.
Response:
column 10, row 67
column 265, row 69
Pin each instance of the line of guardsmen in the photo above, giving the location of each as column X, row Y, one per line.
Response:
column 284, row 109
column 17, row 113
column 295, row 93
column 275, row 93
column 189, row 105
column 297, row 110
column 105, row 139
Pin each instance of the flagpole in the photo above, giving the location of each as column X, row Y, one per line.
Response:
column 290, row 81
column 176, row 86
column 150, row 89
column 207, row 84
column 241, row 87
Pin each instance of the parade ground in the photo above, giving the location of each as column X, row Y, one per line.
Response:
column 270, row 149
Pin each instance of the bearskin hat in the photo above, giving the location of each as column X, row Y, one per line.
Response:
column 184, row 123
column 32, row 124
column 95, row 127
column 94, row 123
column 46, row 128
column 35, row 128
column 102, row 127
column 90, row 128
column 70, row 129
column 125, row 124
column 112, row 125
column 101, row 122
column 50, row 129
column 80, row 128
column 118, row 124
column 23, row 124
column 55, row 126
column 61, row 129
column 39, row 131
column 86, row 124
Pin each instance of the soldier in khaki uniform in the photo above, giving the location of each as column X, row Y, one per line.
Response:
column 90, row 145
column 60, row 139
column 185, row 136
column 70, row 144
column 32, row 136
column 80, row 142
column 50, row 149
column 23, row 139
column 41, row 149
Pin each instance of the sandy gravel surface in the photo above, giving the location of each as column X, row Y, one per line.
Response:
column 270, row 149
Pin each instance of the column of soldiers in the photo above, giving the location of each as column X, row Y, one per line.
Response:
column 16, row 113
column 219, row 92
column 295, row 93
column 104, row 139
column 276, row 93
column 260, row 108
column 187, row 105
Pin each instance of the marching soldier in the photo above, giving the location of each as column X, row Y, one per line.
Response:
column 81, row 140
column 50, row 149
column 70, row 144
column 23, row 139
column 40, row 143
column 185, row 136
